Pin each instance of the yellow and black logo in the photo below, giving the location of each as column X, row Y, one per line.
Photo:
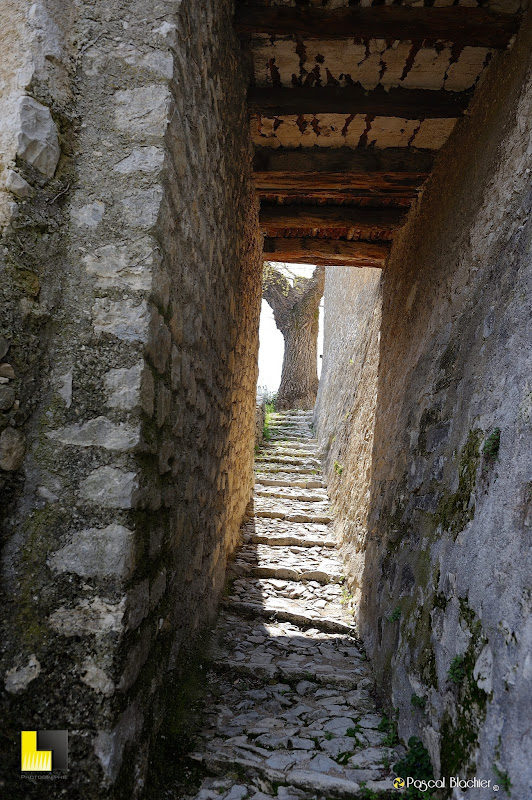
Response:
column 399, row 783
column 43, row 751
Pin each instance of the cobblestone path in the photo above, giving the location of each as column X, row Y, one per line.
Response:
column 289, row 706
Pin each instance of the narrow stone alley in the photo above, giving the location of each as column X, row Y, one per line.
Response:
column 289, row 706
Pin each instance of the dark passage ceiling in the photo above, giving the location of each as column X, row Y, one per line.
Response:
column 349, row 104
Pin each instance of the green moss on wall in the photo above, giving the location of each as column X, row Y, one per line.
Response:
column 460, row 735
column 455, row 509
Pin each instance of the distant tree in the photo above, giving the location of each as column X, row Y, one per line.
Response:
column 295, row 302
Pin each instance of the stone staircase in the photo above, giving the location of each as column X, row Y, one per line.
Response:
column 289, row 707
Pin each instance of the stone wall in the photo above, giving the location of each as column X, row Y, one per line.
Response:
column 130, row 322
column 445, row 604
column 345, row 406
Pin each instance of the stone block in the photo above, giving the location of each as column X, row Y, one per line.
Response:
column 89, row 617
column 166, row 453
column 125, row 264
column 7, row 371
column 164, row 403
column 37, row 140
column 12, row 449
column 125, row 319
column 16, row 184
column 141, row 208
column 97, row 553
column 138, row 604
column 98, row 432
column 147, row 392
column 158, row 588
column 109, row 487
column 18, row 679
column 143, row 111
column 94, row 676
column 135, row 660
column 7, row 397
column 159, row 341
column 142, row 159
column 123, row 387
column 89, row 215
column 176, row 367
column 109, row 745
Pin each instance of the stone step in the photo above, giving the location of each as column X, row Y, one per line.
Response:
column 288, row 438
column 329, row 786
column 276, row 532
column 296, row 494
column 293, row 430
column 290, row 452
column 288, row 647
column 299, row 484
column 290, row 505
column 309, row 601
column 290, row 714
column 303, row 617
column 297, row 413
column 293, row 516
column 286, row 468
column 294, row 563
column 293, row 444
column 301, row 716
column 280, row 460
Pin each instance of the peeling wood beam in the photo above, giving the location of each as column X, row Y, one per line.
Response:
column 473, row 27
column 342, row 159
column 397, row 102
column 349, row 222
column 400, row 185
column 325, row 253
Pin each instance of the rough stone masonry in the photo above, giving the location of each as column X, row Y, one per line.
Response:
column 425, row 409
column 130, row 275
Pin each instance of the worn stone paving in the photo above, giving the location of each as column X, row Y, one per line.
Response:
column 290, row 712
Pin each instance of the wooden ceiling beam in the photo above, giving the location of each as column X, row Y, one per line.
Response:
column 339, row 184
column 397, row 102
column 474, row 27
column 348, row 222
column 324, row 252
column 340, row 159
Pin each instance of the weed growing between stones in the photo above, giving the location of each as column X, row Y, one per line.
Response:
column 490, row 449
column 418, row 702
column 338, row 468
column 389, row 727
column 415, row 764
column 456, row 672
column 503, row 778
column 395, row 615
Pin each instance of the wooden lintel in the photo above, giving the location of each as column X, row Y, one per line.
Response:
column 349, row 222
column 342, row 159
column 325, row 252
column 398, row 102
column 339, row 184
column 473, row 27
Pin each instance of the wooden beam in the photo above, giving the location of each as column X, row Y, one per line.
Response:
column 397, row 102
column 474, row 27
column 340, row 221
column 341, row 185
column 342, row 159
column 324, row 252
